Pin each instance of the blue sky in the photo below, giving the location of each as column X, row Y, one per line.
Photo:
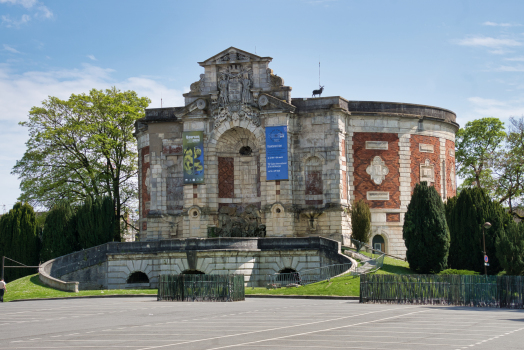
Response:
column 466, row 56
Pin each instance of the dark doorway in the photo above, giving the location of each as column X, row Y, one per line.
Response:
column 138, row 277
column 192, row 272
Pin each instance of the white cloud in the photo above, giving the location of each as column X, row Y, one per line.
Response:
column 19, row 92
column 10, row 22
column 39, row 11
column 92, row 57
column 518, row 68
column 494, row 24
column 25, row 3
column 10, row 49
column 488, row 42
column 485, row 107
column 519, row 59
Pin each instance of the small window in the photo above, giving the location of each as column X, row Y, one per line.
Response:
column 245, row 151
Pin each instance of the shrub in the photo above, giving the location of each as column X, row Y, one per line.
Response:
column 510, row 249
column 360, row 222
column 457, row 272
column 425, row 231
column 465, row 215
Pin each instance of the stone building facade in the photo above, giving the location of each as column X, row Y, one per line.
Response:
column 338, row 151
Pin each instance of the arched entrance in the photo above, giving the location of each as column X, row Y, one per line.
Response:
column 192, row 272
column 238, row 154
column 379, row 243
column 138, row 277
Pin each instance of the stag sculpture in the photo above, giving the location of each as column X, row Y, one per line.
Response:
column 318, row 92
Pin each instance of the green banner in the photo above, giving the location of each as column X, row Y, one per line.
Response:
column 193, row 144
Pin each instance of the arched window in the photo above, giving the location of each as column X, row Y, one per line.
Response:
column 313, row 181
column 138, row 277
column 288, row 276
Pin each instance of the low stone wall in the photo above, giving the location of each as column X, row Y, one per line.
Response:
column 45, row 278
column 110, row 265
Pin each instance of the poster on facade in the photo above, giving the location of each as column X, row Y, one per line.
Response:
column 276, row 153
column 193, row 146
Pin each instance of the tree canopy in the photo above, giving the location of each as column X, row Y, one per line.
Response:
column 477, row 144
column 82, row 147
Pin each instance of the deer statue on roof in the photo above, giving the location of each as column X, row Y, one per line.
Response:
column 318, row 92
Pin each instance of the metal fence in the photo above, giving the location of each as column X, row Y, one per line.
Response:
column 323, row 273
column 201, row 288
column 483, row 291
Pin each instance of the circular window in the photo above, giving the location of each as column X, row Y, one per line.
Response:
column 195, row 213
column 278, row 210
column 245, row 151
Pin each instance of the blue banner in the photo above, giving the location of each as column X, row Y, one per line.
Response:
column 276, row 153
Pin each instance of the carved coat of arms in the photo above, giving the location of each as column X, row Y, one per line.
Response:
column 235, row 100
column 377, row 170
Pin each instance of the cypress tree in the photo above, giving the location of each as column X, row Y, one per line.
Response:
column 425, row 231
column 466, row 215
column 59, row 235
column 510, row 249
column 360, row 222
column 94, row 221
column 19, row 240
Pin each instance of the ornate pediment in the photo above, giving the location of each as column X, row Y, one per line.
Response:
column 268, row 102
column 233, row 55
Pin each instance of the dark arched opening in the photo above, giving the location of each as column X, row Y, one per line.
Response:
column 192, row 272
column 138, row 277
column 288, row 276
column 379, row 243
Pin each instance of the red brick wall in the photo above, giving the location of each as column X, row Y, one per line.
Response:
column 450, row 169
column 418, row 158
column 226, row 177
column 362, row 159
column 145, row 166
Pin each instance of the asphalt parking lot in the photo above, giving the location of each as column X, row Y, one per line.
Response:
column 144, row 323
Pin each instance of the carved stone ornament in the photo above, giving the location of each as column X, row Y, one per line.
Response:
column 235, row 100
column 274, row 80
column 263, row 100
column 201, row 103
column 198, row 86
column 377, row 170
column 427, row 172
column 233, row 57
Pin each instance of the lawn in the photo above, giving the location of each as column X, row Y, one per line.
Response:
column 30, row 287
column 339, row 286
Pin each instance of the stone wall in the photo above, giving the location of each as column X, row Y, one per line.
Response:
column 110, row 265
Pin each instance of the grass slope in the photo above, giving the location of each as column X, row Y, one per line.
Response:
column 339, row 286
column 30, row 287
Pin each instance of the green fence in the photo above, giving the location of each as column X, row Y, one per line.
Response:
column 490, row 291
column 201, row 288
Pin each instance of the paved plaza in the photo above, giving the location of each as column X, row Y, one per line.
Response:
column 144, row 324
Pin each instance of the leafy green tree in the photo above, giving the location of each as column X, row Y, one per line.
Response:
column 425, row 231
column 510, row 249
column 19, row 240
column 465, row 216
column 59, row 236
column 83, row 147
column 360, row 223
column 94, row 222
column 476, row 144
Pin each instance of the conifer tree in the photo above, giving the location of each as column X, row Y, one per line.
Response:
column 18, row 240
column 360, row 222
column 425, row 231
column 59, row 236
column 510, row 249
column 466, row 215
column 94, row 220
